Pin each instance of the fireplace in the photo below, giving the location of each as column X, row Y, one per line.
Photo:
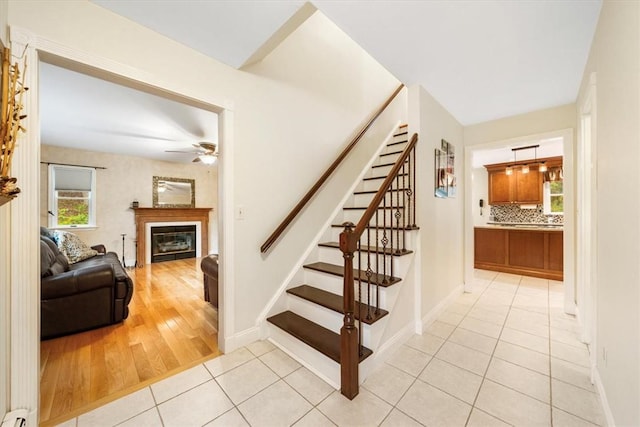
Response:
column 173, row 242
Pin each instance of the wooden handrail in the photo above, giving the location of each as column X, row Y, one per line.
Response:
column 307, row 197
column 377, row 199
column 350, row 341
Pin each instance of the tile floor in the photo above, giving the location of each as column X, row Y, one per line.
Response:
column 503, row 354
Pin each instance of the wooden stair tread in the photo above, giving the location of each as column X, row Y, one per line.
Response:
column 382, row 177
column 335, row 302
column 397, row 143
column 375, row 191
column 385, row 165
column 407, row 228
column 322, row 339
column 338, row 270
column 371, row 249
column 401, row 133
column 361, row 208
column 391, row 153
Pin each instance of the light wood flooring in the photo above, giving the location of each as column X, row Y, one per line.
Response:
column 170, row 328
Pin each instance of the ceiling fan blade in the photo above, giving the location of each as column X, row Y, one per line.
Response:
column 196, row 160
column 209, row 146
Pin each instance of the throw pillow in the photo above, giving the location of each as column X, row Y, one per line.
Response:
column 73, row 247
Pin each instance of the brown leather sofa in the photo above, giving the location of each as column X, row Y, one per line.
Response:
column 209, row 266
column 88, row 294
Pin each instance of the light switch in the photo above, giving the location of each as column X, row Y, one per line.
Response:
column 240, row 212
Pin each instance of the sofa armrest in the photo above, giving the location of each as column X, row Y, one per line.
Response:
column 100, row 248
column 77, row 281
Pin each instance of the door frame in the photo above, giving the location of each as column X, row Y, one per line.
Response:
column 569, row 200
column 24, row 218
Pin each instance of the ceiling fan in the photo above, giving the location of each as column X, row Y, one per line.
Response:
column 205, row 152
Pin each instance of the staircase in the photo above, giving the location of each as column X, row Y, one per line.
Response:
column 314, row 306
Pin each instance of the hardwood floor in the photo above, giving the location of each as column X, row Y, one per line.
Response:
column 170, row 328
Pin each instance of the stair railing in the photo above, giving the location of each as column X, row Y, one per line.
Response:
column 307, row 197
column 396, row 198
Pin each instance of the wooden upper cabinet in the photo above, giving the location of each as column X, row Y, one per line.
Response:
column 522, row 188
column 500, row 188
column 528, row 187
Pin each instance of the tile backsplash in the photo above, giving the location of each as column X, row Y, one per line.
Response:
column 513, row 213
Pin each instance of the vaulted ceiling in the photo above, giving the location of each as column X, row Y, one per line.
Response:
column 481, row 60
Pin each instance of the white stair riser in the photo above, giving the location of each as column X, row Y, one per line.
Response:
column 313, row 359
column 334, row 284
column 326, row 318
column 334, row 256
column 407, row 235
column 363, row 200
column 354, row 216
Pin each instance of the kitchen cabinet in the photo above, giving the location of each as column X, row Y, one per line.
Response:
column 532, row 252
column 522, row 188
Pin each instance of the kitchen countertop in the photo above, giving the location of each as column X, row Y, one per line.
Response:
column 523, row 226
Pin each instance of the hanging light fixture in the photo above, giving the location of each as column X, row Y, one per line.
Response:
column 508, row 170
column 525, row 169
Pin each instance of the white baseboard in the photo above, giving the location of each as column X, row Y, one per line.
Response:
column 242, row 338
column 433, row 314
column 392, row 344
column 603, row 397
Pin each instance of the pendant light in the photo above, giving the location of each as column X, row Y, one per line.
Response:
column 525, row 169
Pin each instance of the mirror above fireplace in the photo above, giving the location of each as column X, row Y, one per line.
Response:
column 173, row 192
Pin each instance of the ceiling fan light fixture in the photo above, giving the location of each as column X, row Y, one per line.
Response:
column 207, row 159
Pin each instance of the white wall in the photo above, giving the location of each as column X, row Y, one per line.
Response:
column 127, row 178
column 440, row 220
column 292, row 113
column 480, row 190
column 615, row 58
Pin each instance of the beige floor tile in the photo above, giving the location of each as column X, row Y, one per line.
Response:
column 577, row 401
column 314, row 418
column 231, row 418
column 246, row 380
column 449, row 378
column 150, row 418
column 440, row 329
column 568, row 324
column 507, row 278
column 179, row 383
column 480, row 326
column 226, row 362
column 311, row 387
column 388, row 383
column 487, row 315
column 464, row 357
column 484, row 274
column 495, row 297
column 569, row 353
column 409, row 360
column 571, row 373
column 467, row 298
column 366, row 409
column 69, row 423
column 520, row 323
column 458, row 308
column 508, row 288
column 473, row 340
column 426, row 343
column 511, row 406
column 279, row 362
column 258, row 348
column 522, row 356
column 519, row 315
column 451, row 318
column 430, row 406
column 521, row 379
column 119, row 410
column 277, row 405
column 480, row 418
column 531, row 303
column 566, row 337
column 197, row 406
column 564, row 419
column 523, row 339
column 399, row 419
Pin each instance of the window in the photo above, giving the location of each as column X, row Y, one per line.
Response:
column 72, row 196
column 553, row 198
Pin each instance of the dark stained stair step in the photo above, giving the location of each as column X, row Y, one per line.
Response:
column 402, row 133
column 322, row 339
column 397, row 143
column 382, row 177
column 407, row 228
column 375, row 191
column 338, row 270
column 335, row 302
column 372, row 249
column 361, row 208
column 385, row 165
column 391, row 154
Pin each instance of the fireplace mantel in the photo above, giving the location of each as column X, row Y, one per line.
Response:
column 146, row 215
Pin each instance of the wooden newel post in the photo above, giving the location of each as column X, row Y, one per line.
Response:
column 349, row 347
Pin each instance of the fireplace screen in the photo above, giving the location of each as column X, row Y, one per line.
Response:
column 173, row 242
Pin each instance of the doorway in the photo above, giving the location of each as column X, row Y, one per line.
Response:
column 473, row 209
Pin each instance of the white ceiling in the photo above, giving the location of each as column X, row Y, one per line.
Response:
column 84, row 112
column 481, row 60
column 552, row 147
